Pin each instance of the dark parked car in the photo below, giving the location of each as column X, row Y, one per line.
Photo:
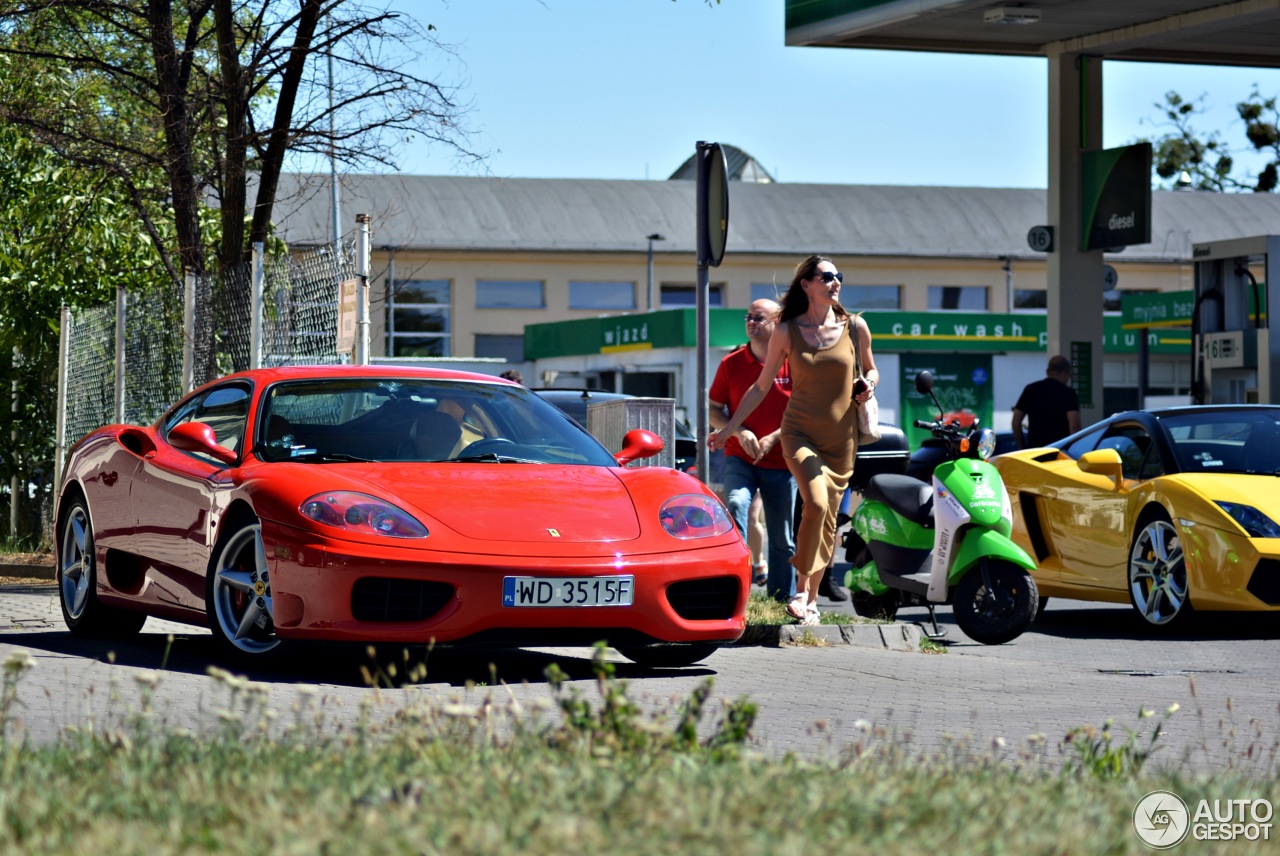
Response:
column 573, row 403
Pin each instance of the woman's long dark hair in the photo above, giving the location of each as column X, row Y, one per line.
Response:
column 795, row 302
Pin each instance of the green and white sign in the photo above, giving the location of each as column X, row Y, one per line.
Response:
column 962, row 383
column 1164, row 309
column 893, row 332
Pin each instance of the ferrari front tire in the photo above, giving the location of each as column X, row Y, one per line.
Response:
column 1158, row 571
column 83, row 613
column 238, row 593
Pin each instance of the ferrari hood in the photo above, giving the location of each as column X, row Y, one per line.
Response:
column 509, row 502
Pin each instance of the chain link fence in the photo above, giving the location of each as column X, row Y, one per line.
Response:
column 161, row 334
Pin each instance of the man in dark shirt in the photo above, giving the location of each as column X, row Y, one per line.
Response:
column 1050, row 404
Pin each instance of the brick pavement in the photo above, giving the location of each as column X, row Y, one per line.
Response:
column 1081, row 665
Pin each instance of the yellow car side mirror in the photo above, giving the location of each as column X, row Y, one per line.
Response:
column 1103, row 462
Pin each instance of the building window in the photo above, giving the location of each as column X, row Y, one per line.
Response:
column 418, row 319
column 860, row 297
column 768, row 291
column 1030, row 298
column 970, row 298
column 509, row 294
column 602, row 295
column 680, row 294
column 509, row 348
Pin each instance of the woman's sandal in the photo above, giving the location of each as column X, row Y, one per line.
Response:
column 811, row 617
column 761, row 575
column 798, row 606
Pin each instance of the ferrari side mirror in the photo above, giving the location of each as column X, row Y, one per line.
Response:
column 199, row 437
column 638, row 443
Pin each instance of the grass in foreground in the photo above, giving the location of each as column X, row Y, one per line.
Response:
column 582, row 775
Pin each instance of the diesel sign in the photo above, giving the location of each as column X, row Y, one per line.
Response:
column 1116, row 195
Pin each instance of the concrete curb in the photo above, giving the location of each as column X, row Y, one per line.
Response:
column 894, row 637
column 40, row 572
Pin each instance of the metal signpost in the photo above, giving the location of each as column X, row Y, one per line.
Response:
column 713, row 230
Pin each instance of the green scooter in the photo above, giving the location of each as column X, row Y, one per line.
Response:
column 917, row 544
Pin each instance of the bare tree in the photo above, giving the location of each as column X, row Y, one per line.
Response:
column 186, row 101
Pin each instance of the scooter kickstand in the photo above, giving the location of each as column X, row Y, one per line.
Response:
column 938, row 632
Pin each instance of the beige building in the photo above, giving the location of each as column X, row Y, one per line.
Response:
column 460, row 265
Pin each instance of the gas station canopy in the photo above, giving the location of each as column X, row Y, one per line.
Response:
column 1075, row 37
column 1245, row 33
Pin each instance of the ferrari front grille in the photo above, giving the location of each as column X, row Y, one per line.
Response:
column 712, row 599
column 1265, row 582
column 390, row 599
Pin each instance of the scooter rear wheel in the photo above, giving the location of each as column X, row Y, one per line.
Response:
column 999, row 612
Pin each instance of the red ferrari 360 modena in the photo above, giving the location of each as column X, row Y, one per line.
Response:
column 386, row 504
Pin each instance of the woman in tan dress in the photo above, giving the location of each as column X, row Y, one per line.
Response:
column 820, row 427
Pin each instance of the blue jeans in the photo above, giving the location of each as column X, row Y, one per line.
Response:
column 778, row 498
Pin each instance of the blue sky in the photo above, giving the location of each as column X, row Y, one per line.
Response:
column 625, row 88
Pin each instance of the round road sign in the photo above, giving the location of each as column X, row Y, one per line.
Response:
column 1040, row 239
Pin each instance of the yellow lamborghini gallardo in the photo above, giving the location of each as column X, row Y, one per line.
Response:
column 1165, row 509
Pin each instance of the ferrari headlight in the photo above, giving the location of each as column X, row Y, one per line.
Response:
column 692, row 515
column 361, row 513
column 1257, row 524
column 986, row 443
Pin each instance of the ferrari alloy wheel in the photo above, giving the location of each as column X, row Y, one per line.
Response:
column 75, row 564
column 1158, row 572
column 669, row 656
column 77, row 580
column 238, row 593
column 995, row 602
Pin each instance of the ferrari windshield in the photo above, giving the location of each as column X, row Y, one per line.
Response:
column 1225, row 441
column 408, row 419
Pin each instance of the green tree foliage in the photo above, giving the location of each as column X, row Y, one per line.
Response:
column 214, row 94
column 142, row 138
column 1209, row 161
column 66, row 238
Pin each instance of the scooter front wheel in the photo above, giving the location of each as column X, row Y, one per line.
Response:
column 995, row 602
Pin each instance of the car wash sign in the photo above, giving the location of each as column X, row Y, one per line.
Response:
column 1115, row 197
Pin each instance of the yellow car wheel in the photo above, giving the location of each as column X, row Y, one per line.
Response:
column 1158, row 571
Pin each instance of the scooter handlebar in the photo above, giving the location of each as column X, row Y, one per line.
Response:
column 943, row 430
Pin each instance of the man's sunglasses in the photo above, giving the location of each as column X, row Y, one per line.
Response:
column 827, row 276
column 759, row 319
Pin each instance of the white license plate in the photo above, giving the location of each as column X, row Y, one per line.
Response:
column 568, row 591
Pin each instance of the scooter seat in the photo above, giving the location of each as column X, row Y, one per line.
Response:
column 908, row 496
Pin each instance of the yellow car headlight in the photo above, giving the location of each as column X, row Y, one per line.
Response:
column 1253, row 521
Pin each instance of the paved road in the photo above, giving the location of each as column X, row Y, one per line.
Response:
column 1081, row 664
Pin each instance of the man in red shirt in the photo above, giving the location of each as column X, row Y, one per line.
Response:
column 753, row 456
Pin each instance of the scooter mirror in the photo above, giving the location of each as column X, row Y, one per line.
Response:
column 924, row 383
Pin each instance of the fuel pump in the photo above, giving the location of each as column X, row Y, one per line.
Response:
column 1233, row 351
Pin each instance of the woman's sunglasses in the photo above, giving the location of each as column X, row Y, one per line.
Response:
column 827, row 276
